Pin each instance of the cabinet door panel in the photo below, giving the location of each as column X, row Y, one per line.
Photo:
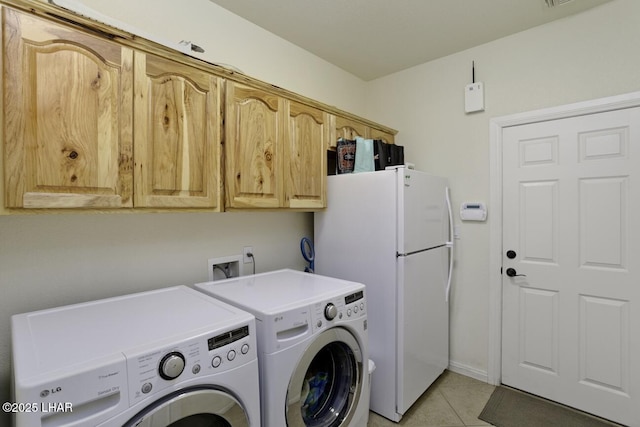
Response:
column 305, row 164
column 254, row 128
column 348, row 129
column 176, row 136
column 67, row 117
column 384, row 136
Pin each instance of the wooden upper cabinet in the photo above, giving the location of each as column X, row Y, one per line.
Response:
column 307, row 140
column 348, row 129
column 67, row 116
column 275, row 150
column 91, row 121
column 387, row 137
column 177, row 135
column 254, row 135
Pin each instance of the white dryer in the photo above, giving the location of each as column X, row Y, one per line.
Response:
column 171, row 357
column 312, row 346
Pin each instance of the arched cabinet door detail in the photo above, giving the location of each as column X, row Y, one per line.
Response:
column 177, row 135
column 306, row 144
column 67, row 117
column 254, row 133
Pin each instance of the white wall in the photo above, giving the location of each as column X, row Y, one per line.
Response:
column 591, row 55
column 52, row 260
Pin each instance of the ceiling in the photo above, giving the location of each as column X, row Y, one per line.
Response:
column 373, row 38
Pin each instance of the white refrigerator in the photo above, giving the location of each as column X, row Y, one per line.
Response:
column 392, row 230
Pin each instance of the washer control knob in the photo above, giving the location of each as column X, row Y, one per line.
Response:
column 146, row 387
column 244, row 349
column 330, row 311
column 216, row 361
column 231, row 355
column 171, row 365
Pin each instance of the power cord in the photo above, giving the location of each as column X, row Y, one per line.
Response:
column 224, row 270
column 253, row 260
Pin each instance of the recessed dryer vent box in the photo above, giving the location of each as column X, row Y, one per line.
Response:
column 225, row 267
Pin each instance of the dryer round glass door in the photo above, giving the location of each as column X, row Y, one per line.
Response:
column 193, row 407
column 326, row 386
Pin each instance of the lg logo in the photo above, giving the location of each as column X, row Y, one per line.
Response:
column 45, row 393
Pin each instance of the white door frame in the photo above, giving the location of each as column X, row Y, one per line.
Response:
column 496, row 125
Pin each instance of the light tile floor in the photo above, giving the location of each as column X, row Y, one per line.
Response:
column 454, row 400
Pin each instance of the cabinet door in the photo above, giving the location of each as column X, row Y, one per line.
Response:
column 384, row 136
column 177, row 135
column 67, row 117
column 348, row 129
column 305, row 156
column 254, row 132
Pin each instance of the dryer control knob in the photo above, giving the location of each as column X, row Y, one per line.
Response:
column 330, row 311
column 171, row 365
column 217, row 361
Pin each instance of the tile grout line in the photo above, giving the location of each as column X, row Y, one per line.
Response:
column 438, row 390
column 476, row 423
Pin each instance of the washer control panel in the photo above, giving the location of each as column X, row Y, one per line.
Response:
column 206, row 354
column 347, row 307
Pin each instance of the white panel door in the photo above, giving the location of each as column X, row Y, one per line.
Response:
column 571, row 217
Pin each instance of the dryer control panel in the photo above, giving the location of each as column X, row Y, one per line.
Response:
column 343, row 308
column 207, row 354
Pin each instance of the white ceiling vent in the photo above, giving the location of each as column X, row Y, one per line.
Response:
column 554, row 3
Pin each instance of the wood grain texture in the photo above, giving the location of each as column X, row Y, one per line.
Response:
column 123, row 38
column 348, row 128
column 65, row 131
column 307, row 141
column 254, row 132
column 177, row 140
column 70, row 102
column 387, row 137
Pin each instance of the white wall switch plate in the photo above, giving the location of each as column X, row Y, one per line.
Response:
column 474, row 97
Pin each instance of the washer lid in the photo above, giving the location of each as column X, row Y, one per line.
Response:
column 65, row 336
column 278, row 291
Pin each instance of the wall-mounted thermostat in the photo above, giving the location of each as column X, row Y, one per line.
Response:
column 473, row 211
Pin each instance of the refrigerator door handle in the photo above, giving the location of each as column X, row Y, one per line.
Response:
column 449, row 244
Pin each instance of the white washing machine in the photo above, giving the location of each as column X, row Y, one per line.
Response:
column 312, row 346
column 171, row 357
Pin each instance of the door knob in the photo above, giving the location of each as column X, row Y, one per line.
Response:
column 511, row 272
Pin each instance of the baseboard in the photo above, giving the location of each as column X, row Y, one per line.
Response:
column 468, row 371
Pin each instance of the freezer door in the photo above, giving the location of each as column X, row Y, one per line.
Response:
column 423, row 219
column 423, row 323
